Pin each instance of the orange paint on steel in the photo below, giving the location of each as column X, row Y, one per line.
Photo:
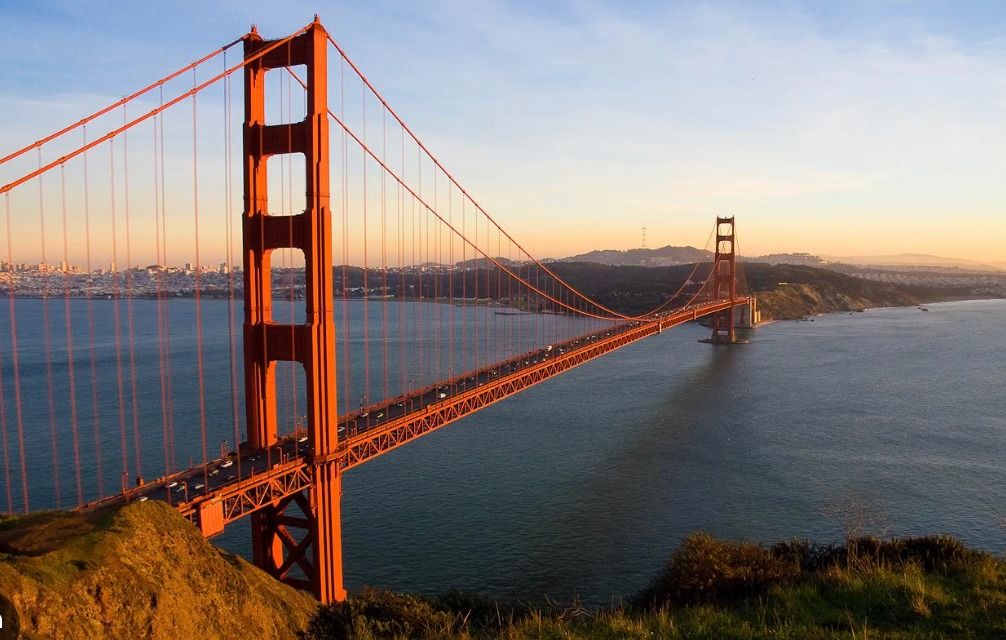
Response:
column 129, row 98
column 432, row 210
column 375, row 442
column 150, row 114
column 312, row 343
column 260, row 492
column 724, row 281
column 450, row 177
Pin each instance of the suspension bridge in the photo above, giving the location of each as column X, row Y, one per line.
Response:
column 380, row 301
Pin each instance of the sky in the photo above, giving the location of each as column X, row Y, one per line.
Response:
column 841, row 129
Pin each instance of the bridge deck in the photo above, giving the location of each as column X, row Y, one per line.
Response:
column 252, row 479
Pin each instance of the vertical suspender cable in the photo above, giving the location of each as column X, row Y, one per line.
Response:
column 229, row 248
column 464, row 286
column 161, row 332
column 16, row 363
column 8, row 489
column 366, row 269
column 167, row 309
column 475, row 294
column 130, row 318
column 68, row 322
column 116, row 313
column 450, row 288
column 199, row 305
column 384, row 253
column 48, row 346
column 95, row 412
column 422, row 367
column 346, row 388
column 403, row 306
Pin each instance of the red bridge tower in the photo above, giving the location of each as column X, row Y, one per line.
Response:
column 724, row 281
column 317, row 553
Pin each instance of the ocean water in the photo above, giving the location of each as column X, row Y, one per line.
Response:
column 583, row 486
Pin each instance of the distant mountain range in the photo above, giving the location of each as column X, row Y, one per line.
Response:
column 670, row 256
column 915, row 260
column 663, row 257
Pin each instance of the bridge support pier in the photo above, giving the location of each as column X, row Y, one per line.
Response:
column 314, row 560
column 724, row 282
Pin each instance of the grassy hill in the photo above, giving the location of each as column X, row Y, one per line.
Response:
column 785, row 292
column 143, row 572
column 910, row 589
column 139, row 572
column 788, row 292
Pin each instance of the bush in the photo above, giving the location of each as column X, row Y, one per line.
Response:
column 480, row 612
column 705, row 570
column 808, row 556
column 932, row 553
column 379, row 614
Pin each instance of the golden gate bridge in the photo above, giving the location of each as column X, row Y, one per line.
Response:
column 354, row 184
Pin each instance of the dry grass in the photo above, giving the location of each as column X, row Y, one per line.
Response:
column 911, row 589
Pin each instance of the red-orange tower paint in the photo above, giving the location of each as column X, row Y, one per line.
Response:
column 724, row 281
column 317, row 553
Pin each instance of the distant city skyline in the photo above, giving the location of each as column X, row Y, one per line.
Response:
column 870, row 128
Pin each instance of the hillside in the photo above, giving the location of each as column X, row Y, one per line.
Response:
column 903, row 589
column 663, row 256
column 789, row 292
column 785, row 292
column 139, row 572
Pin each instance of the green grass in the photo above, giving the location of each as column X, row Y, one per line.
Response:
column 916, row 588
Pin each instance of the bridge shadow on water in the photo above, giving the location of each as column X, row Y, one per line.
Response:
column 641, row 495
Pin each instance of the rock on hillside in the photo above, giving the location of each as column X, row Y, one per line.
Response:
column 137, row 572
column 789, row 292
column 791, row 301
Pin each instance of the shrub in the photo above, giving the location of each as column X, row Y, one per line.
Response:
column 933, row 553
column 480, row 612
column 942, row 554
column 379, row 614
column 705, row 570
column 808, row 556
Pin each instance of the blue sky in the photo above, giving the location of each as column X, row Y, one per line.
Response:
column 839, row 128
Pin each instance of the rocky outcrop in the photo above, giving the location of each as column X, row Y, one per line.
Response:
column 137, row 572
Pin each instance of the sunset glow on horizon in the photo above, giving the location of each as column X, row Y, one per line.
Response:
column 874, row 129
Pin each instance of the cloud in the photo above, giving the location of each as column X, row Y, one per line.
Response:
column 718, row 105
column 662, row 114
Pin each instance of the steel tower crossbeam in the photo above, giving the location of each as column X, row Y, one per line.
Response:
column 313, row 343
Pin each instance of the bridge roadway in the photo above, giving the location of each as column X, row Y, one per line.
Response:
column 252, row 479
